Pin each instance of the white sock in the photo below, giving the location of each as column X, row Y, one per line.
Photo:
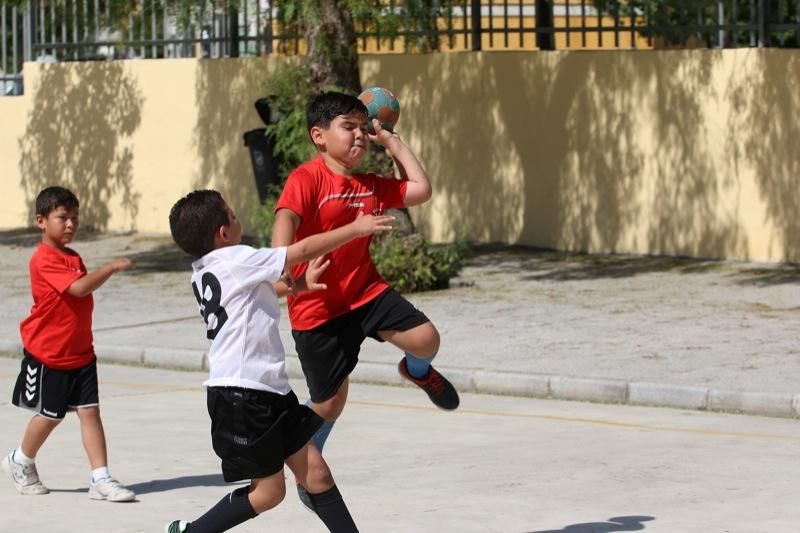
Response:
column 99, row 473
column 20, row 458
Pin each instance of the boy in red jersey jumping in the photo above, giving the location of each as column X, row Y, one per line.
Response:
column 329, row 326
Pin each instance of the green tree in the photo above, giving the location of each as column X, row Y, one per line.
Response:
column 331, row 63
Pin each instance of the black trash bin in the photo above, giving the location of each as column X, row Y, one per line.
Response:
column 262, row 151
column 262, row 156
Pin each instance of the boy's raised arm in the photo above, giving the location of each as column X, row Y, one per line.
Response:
column 418, row 189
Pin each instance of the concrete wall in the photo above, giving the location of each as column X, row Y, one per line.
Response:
column 129, row 137
column 669, row 152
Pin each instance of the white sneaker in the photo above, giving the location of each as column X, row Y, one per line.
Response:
column 25, row 477
column 111, row 490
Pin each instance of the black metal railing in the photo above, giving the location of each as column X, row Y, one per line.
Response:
column 80, row 30
column 13, row 49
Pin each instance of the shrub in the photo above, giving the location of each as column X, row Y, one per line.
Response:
column 265, row 216
column 409, row 264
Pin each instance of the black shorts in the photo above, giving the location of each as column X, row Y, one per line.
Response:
column 328, row 353
column 254, row 431
column 50, row 392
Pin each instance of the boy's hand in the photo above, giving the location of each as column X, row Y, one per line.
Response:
column 315, row 268
column 123, row 263
column 291, row 284
column 382, row 136
column 366, row 225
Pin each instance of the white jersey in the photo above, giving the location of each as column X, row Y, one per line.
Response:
column 233, row 287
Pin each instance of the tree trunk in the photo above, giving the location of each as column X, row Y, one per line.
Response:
column 332, row 50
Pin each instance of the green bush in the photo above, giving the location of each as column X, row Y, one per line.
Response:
column 409, row 264
column 265, row 216
column 288, row 93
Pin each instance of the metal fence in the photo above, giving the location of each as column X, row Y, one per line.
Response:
column 12, row 50
column 83, row 30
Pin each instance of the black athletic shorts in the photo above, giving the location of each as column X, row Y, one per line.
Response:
column 329, row 352
column 50, row 392
column 254, row 431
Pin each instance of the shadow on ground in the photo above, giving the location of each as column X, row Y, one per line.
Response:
column 163, row 485
column 67, row 491
column 538, row 264
column 617, row 523
column 163, row 258
column 154, row 254
column 30, row 237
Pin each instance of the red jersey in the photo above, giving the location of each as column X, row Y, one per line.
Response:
column 325, row 201
column 58, row 331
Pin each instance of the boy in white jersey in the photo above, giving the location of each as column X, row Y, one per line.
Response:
column 257, row 423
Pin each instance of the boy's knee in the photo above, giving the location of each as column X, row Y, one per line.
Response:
column 323, row 477
column 331, row 408
column 435, row 340
column 43, row 421
column 428, row 340
column 88, row 412
column 319, row 478
column 277, row 496
column 265, row 498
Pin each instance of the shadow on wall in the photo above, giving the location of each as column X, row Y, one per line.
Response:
column 75, row 137
column 604, row 175
column 763, row 132
column 225, row 91
column 591, row 151
column 455, row 128
column 635, row 171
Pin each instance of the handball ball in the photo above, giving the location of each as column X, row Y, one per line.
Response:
column 381, row 104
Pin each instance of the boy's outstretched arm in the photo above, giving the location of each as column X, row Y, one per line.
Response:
column 322, row 243
column 419, row 189
column 87, row 284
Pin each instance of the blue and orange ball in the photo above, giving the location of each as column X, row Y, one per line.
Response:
column 381, row 104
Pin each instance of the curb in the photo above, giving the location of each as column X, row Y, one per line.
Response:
column 542, row 386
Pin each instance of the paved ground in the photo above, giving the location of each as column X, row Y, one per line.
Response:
column 653, row 331
column 498, row 464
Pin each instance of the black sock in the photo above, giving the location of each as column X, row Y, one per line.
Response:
column 229, row 512
column 331, row 509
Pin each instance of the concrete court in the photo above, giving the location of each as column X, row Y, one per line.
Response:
column 714, row 335
column 499, row 464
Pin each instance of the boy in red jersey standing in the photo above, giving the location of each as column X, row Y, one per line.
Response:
column 59, row 367
column 329, row 326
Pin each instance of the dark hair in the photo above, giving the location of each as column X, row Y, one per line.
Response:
column 195, row 219
column 327, row 106
column 52, row 198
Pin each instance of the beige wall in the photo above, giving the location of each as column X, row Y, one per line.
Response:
column 674, row 152
column 129, row 137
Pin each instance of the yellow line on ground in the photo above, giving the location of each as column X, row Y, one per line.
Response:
column 159, row 388
column 592, row 421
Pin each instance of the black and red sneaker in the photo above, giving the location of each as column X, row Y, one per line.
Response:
column 439, row 390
